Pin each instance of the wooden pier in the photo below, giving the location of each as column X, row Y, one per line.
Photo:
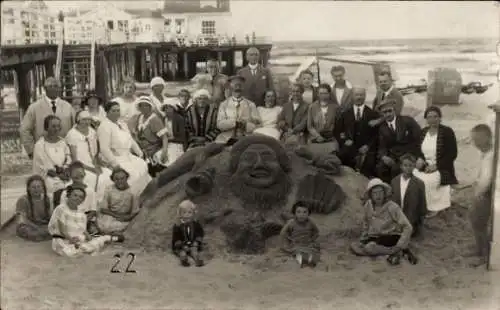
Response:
column 29, row 65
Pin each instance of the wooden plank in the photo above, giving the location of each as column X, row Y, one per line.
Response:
column 27, row 57
column 494, row 258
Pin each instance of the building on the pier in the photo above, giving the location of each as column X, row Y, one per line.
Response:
column 30, row 23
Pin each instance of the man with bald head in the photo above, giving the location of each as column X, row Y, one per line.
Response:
column 50, row 103
column 257, row 78
column 358, row 145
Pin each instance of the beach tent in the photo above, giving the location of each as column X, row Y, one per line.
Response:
column 358, row 73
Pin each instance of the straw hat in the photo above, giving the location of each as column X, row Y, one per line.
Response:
column 201, row 92
column 83, row 114
column 91, row 94
column 377, row 182
column 157, row 81
column 144, row 99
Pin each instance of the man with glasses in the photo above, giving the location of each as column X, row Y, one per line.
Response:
column 398, row 135
column 257, row 78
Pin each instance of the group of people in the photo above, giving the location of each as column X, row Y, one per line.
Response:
column 80, row 154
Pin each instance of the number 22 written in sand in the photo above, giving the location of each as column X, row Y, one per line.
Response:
column 118, row 257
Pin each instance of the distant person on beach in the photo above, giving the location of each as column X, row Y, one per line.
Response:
column 358, row 141
column 310, row 94
column 321, row 122
column 408, row 192
column 386, row 230
column 218, row 81
column 341, row 88
column 201, row 120
column 32, row 126
column 480, row 212
column 292, row 120
column 299, row 237
column 398, row 134
column 237, row 116
column 435, row 164
column 257, row 78
column 33, row 211
column 269, row 114
column 127, row 100
column 386, row 91
column 51, row 156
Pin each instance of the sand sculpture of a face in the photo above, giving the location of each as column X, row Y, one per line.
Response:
column 260, row 173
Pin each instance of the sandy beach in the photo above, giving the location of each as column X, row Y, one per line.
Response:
column 33, row 277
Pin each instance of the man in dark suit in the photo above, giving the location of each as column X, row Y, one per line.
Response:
column 358, row 141
column 397, row 135
column 341, row 89
column 386, row 91
column 257, row 78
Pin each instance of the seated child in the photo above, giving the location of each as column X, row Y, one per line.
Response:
column 187, row 235
column 386, row 230
column 33, row 211
column 68, row 227
column 408, row 192
column 77, row 174
column 299, row 236
column 119, row 205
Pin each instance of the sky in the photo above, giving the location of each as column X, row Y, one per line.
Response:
column 351, row 20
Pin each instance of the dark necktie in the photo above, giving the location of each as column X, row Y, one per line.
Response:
column 358, row 113
column 383, row 97
column 54, row 108
column 391, row 126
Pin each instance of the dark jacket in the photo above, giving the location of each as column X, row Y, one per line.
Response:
column 415, row 204
column 393, row 94
column 178, row 119
column 346, row 101
column 446, row 153
column 295, row 120
column 180, row 233
column 360, row 133
column 406, row 139
column 255, row 86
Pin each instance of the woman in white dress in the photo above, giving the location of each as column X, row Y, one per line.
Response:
column 92, row 103
column 116, row 147
column 269, row 116
column 51, row 156
column 435, row 166
column 127, row 100
column 82, row 142
column 159, row 100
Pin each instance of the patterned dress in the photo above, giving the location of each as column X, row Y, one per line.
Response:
column 118, row 201
column 66, row 224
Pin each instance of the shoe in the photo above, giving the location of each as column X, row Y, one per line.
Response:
column 200, row 263
column 431, row 214
column 117, row 238
column 394, row 259
column 185, row 263
column 412, row 259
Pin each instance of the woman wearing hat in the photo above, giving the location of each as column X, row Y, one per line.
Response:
column 157, row 98
column 92, row 103
column 386, row 230
column 127, row 100
column 82, row 141
column 149, row 132
column 201, row 119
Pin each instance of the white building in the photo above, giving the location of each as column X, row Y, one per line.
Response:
column 29, row 22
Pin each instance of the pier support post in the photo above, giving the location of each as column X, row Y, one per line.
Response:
column 23, row 87
column 186, row 64
column 49, row 68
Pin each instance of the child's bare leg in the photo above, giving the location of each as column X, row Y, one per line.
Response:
column 195, row 254
column 184, row 258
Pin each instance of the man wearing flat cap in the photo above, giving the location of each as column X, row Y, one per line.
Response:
column 237, row 116
column 257, row 78
column 398, row 135
column 49, row 104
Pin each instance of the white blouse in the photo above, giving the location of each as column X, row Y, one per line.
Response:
column 86, row 145
column 429, row 148
column 48, row 155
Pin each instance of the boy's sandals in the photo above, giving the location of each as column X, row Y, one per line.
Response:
column 394, row 259
column 185, row 262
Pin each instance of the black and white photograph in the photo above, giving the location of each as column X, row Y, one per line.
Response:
column 249, row 154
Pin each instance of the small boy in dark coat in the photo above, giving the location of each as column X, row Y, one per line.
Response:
column 187, row 235
column 408, row 191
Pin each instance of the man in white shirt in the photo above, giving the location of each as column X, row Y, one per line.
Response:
column 386, row 91
column 341, row 88
column 237, row 115
column 480, row 213
column 32, row 125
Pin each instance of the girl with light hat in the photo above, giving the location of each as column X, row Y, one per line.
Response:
column 157, row 98
column 386, row 230
column 148, row 130
column 82, row 142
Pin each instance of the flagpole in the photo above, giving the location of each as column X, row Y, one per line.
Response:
column 317, row 67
